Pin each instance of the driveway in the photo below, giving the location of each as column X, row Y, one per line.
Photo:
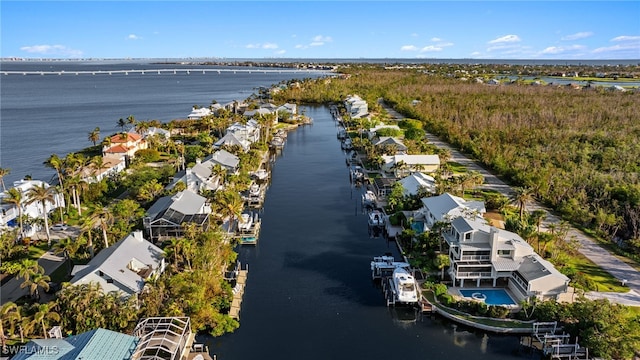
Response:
column 588, row 247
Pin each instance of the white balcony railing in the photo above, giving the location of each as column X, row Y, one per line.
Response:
column 475, row 258
column 473, row 274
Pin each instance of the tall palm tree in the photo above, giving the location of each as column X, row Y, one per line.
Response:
column 35, row 282
column 231, row 206
column 55, row 162
column 522, row 196
column 44, row 313
column 122, row 123
column 131, row 120
column 102, row 218
column 6, row 312
column 94, row 136
column 68, row 247
column 4, row 172
column 14, row 197
column 43, row 195
column 27, row 268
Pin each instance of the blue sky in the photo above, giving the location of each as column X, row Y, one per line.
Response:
column 321, row 29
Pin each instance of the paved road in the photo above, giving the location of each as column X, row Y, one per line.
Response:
column 588, row 247
column 11, row 290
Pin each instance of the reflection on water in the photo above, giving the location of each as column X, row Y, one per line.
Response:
column 309, row 292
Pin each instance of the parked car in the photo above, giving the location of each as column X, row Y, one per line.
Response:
column 59, row 227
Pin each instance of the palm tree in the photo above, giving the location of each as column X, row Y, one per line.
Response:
column 442, row 261
column 94, row 136
column 131, row 121
column 6, row 312
column 102, row 218
column 27, row 268
column 36, row 281
column 4, row 172
column 55, row 162
column 231, row 206
column 121, row 123
column 522, row 197
column 87, row 228
column 15, row 198
column 68, row 247
column 43, row 195
column 42, row 316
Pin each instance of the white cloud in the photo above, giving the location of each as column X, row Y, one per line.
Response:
column 505, row 39
column 578, row 35
column 635, row 47
column 626, row 38
column 322, row 39
column 133, row 37
column 59, row 50
column 414, row 35
column 300, row 46
column 431, row 48
column 409, row 48
column 562, row 49
column 280, row 52
column 435, row 39
column 476, row 53
column 316, row 43
column 262, row 46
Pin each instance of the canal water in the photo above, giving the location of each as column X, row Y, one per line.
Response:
column 309, row 291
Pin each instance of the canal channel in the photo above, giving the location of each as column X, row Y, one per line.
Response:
column 309, row 293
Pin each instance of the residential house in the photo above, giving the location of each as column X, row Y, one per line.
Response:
column 9, row 213
column 485, row 254
column 124, row 145
column 249, row 131
column 123, row 267
column 227, row 160
column 230, row 140
column 198, row 113
column 446, row 207
column 96, row 344
column 373, row 132
column 257, row 113
column 111, row 165
column 166, row 216
column 400, row 164
column 356, row 107
column 199, row 177
column 416, row 182
column 383, row 186
column 388, row 142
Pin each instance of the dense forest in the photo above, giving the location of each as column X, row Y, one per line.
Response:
column 575, row 149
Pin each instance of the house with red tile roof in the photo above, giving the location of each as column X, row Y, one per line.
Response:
column 124, row 145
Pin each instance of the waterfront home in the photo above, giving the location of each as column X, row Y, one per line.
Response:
column 169, row 338
column 124, row 145
column 383, row 186
column 373, row 132
column 96, row 344
column 400, row 165
column 388, row 142
column 198, row 113
column 445, row 207
column 291, row 109
column 485, row 255
column 199, row 177
column 227, row 160
column 249, row 132
column 230, row 139
column 356, row 107
column 166, row 216
column 123, row 267
column 416, row 182
column 257, row 113
column 111, row 165
column 9, row 213
column 160, row 133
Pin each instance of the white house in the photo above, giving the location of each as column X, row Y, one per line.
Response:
column 199, row 113
column 227, row 160
column 356, row 107
column 480, row 253
column 231, row 139
column 445, row 207
column 199, row 177
column 123, row 267
column 401, row 164
column 392, row 142
column 416, row 181
column 124, row 145
column 111, row 165
column 9, row 213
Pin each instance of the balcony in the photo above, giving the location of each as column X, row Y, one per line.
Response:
column 473, row 275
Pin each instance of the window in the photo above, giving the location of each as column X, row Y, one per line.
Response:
column 467, row 236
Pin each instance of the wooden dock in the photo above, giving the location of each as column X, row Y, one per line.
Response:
column 238, row 293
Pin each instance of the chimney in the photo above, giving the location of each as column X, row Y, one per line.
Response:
column 493, row 239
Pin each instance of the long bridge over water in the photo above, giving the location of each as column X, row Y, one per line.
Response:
column 186, row 71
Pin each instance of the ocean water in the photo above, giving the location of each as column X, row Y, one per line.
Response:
column 42, row 115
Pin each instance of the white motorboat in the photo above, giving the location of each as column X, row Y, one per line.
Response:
column 347, row 144
column 376, row 218
column 277, row 142
column 404, row 286
column 261, row 174
column 383, row 266
column 368, row 198
column 254, row 190
column 356, row 173
column 245, row 222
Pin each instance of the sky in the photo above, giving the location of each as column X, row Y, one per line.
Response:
column 588, row 30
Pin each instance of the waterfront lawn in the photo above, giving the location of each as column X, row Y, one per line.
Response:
column 602, row 280
column 457, row 168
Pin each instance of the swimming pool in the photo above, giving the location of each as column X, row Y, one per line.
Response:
column 490, row 296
